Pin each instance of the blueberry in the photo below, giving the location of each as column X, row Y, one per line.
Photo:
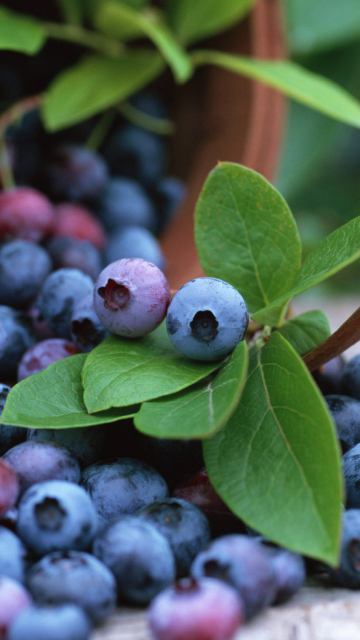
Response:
column 206, row 319
column 13, row 555
column 328, row 376
column 44, row 353
column 25, row 213
column 131, row 297
column 346, row 415
column 56, row 516
column 9, row 487
column 86, row 329
column 35, row 462
column 61, row 291
column 85, row 444
column 351, row 470
column 138, row 555
column 16, row 336
column 13, row 599
column 74, row 577
column 150, row 104
column 169, row 194
column 77, row 222
column 71, row 253
column 136, row 153
column 289, row 569
column 23, row 269
column 122, row 486
column 125, row 202
column 9, row 436
column 347, row 574
column 64, row 622
column 134, row 242
column 243, row 563
column 195, row 610
column 350, row 381
column 172, row 458
column 183, row 524
column 75, row 173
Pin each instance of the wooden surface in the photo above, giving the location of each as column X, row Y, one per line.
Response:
column 318, row 612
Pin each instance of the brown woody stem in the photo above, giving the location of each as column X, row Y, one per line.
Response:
column 347, row 335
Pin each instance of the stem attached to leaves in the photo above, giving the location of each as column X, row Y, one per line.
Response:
column 84, row 37
column 18, row 110
column 346, row 336
column 6, row 174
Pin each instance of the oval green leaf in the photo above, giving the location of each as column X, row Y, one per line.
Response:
column 97, row 83
column 20, row 33
column 119, row 20
column 294, row 81
column 241, row 216
column 336, row 251
column 53, row 399
column 122, row 372
column 201, row 410
column 306, row 331
column 193, row 21
column 277, row 462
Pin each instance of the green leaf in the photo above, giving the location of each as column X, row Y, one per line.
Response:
column 277, row 462
column 336, row 251
column 319, row 26
column 306, row 331
column 97, row 83
column 53, row 399
column 119, row 20
column 122, row 372
column 292, row 80
column 201, row 410
column 193, row 21
column 20, row 33
column 241, row 216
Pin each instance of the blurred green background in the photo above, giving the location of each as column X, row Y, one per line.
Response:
column 319, row 171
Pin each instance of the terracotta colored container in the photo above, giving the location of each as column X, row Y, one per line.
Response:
column 224, row 117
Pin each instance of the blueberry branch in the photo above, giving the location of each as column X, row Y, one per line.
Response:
column 346, row 336
column 18, row 110
column 84, row 37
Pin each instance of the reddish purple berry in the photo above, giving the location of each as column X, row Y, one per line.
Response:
column 13, row 599
column 75, row 221
column 9, row 487
column 131, row 297
column 205, row 609
column 41, row 354
column 25, row 213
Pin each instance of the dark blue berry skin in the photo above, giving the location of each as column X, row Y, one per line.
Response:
column 328, row 377
column 61, row 291
column 172, row 458
column 348, row 572
column 185, row 527
column 56, row 516
column 242, row 562
column 124, row 202
column 35, row 462
column 64, row 622
column 69, row 253
column 23, row 269
column 122, row 486
column 206, row 319
column 204, row 609
column 351, row 471
column 75, row 173
column 86, row 329
column 138, row 555
column 75, row 577
column 149, row 104
column 134, row 242
column 169, row 194
column 85, row 444
column 350, row 381
column 345, row 412
column 9, row 436
column 13, row 555
column 136, row 153
column 16, row 336
column 289, row 567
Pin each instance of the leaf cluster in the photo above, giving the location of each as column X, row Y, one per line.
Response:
column 129, row 43
column 269, row 442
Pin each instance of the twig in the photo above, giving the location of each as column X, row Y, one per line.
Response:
column 347, row 335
